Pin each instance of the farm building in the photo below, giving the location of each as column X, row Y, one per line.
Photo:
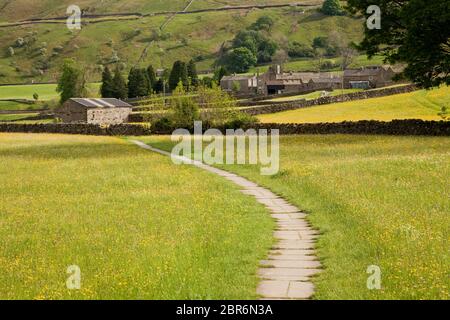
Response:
column 277, row 81
column 368, row 77
column 94, row 111
column 241, row 84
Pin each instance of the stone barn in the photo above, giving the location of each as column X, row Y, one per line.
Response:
column 368, row 77
column 94, row 111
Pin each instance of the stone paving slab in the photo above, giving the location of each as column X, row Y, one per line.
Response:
column 286, row 274
column 293, row 244
column 292, row 257
column 273, row 288
column 294, row 235
column 300, row 290
column 302, row 264
column 304, row 252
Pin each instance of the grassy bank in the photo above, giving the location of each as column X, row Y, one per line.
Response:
column 378, row 200
column 421, row 104
column 138, row 226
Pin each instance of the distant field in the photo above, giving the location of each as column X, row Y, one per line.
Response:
column 11, row 105
column 14, row 117
column 313, row 95
column 45, row 91
column 138, row 226
column 378, row 200
column 416, row 105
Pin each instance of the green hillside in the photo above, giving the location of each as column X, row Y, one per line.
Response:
column 199, row 36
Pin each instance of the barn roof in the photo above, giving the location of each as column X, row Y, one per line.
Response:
column 101, row 103
column 364, row 71
column 238, row 77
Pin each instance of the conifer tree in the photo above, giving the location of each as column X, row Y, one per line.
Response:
column 107, row 84
column 120, row 90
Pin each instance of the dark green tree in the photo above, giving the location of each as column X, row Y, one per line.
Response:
column 240, row 60
column 249, row 39
column 120, row 90
column 414, row 32
column 332, row 8
column 178, row 73
column 71, row 83
column 138, row 84
column 266, row 50
column 106, row 89
column 192, row 73
column 147, row 82
column 220, row 73
column 263, row 23
column 152, row 76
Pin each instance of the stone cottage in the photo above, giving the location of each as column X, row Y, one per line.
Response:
column 241, row 84
column 277, row 81
column 368, row 77
column 94, row 111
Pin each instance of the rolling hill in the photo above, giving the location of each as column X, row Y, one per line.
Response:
column 131, row 40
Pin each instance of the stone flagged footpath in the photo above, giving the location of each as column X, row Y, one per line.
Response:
column 287, row 272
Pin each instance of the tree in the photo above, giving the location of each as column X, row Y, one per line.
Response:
column 266, row 50
column 151, row 76
column 345, row 49
column 106, row 89
column 263, row 23
column 298, row 50
column 192, row 73
column 240, row 60
column 36, row 96
column 72, row 82
column 119, row 87
column 184, row 109
column 138, row 83
column 178, row 73
column 332, row 8
column 220, row 73
column 413, row 32
column 318, row 59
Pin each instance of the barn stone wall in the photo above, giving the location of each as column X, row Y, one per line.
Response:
column 108, row 115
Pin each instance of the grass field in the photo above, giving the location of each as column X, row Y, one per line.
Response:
column 416, row 105
column 378, row 200
column 15, row 117
column 313, row 95
column 137, row 226
column 45, row 91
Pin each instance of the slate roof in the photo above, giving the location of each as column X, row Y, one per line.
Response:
column 101, row 103
column 237, row 78
column 362, row 72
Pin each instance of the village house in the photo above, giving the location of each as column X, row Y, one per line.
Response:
column 276, row 81
column 240, row 84
column 368, row 77
column 105, row 111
